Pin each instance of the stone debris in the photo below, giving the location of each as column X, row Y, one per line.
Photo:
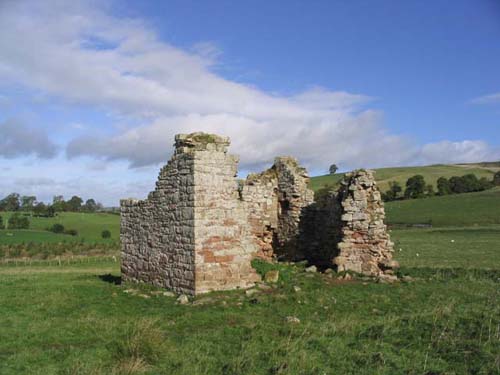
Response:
column 296, row 289
column 182, row 299
column 292, row 320
column 168, row 294
column 272, row 276
column 347, row 276
column 387, row 279
column 251, row 292
column 311, row 269
column 263, row 286
column 201, row 227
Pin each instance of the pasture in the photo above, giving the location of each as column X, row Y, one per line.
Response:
column 88, row 225
column 74, row 319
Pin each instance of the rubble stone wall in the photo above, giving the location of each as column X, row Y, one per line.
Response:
column 157, row 234
column 365, row 245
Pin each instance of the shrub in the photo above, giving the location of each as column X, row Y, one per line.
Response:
column 71, row 232
column 2, row 226
column 17, row 221
column 106, row 234
column 57, row 228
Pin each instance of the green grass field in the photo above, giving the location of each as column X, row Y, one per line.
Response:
column 73, row 319
column 400, row 174
column 470, row 209
column 89, row 227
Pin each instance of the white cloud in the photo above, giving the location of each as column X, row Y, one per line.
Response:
column 80, row 54
column 458, row 152
column 17, row 139
column 487, row 99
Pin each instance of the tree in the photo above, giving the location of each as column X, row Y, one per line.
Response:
column 485, row 184
column 58, row 203
column 2, row 226
column 333, row 168
column 40, row 209
column 471, row 182
column 457, row 185
column 17, row 221
column 465, row 184
column 496, row 179
column 10, row 202
column 74, row 204
column 27, row 202
column 415, row 187
column 443, row 186
column 90, row 205
column 393, row 193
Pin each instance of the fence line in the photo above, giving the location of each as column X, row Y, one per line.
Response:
column 59, row 262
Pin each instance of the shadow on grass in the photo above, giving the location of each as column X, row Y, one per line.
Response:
column 112, row 279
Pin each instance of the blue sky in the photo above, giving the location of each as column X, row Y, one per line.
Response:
column 92, row 92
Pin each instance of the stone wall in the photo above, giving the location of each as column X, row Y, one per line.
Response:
column 157, row 234
column 365, row 245
column 200, row 228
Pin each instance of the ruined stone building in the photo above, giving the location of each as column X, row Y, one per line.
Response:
column 201, row 227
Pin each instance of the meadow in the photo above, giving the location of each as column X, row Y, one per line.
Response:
column 76, row 317
column 88, row 225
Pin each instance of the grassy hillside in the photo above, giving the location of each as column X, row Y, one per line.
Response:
column 400, row 174
column 470, row 209
column 89, row 227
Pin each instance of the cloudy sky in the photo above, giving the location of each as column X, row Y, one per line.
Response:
column 92, row 92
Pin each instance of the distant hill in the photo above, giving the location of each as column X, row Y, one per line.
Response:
column 400, row 174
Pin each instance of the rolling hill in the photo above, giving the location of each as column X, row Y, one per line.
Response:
column 400, row 174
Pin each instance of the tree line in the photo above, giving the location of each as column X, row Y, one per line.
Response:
column 416, row 187
column 15, row 202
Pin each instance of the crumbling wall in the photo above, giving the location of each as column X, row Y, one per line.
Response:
column 275, row 200
column 365, row 245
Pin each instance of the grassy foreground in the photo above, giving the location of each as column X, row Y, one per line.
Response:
column 73, row 319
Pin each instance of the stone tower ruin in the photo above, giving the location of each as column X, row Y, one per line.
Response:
column 199, row 230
